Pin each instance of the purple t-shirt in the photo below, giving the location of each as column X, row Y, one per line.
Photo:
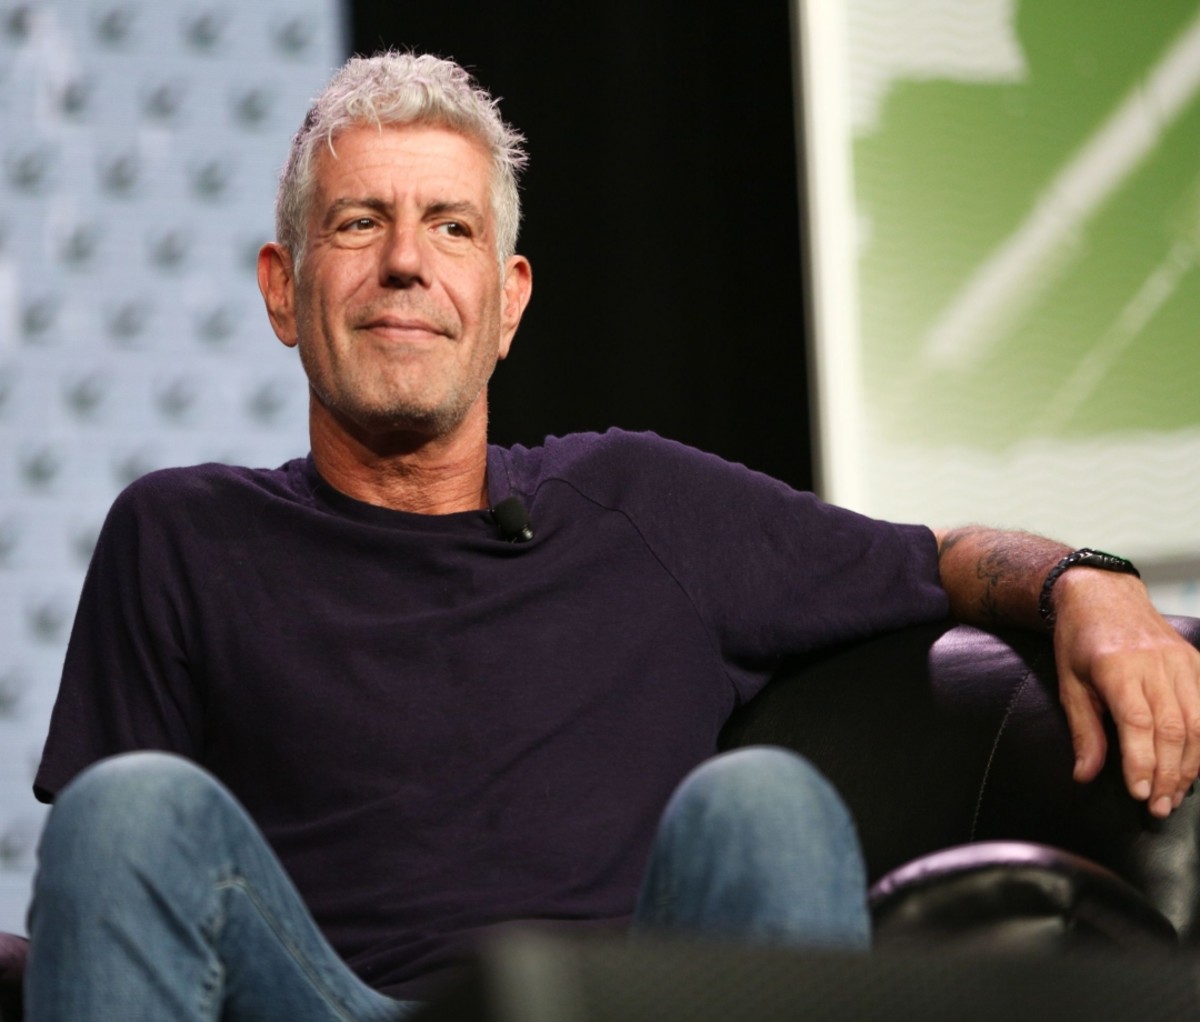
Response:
column 438, row 730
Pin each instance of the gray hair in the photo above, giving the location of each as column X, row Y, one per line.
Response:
column 401, row 88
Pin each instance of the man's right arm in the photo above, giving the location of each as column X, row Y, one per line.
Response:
column 125, row 683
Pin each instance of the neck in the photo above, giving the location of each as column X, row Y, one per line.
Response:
column 404, row 471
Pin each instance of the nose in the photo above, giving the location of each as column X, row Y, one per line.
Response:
column 403, row 261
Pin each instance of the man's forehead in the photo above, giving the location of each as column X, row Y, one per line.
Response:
column 431, row 164
column 401, row 141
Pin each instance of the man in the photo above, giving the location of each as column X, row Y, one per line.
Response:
column 444, row 715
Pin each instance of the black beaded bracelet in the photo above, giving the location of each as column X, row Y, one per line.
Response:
column 1085, row 557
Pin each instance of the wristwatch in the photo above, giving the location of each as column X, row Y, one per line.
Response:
column 1085, row 557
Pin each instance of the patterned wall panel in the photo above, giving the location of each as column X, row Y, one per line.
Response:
column 140, row 143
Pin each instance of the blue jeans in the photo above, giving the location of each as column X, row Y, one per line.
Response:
column 157, row 898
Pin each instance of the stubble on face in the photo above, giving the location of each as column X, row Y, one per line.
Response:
column 383, row 389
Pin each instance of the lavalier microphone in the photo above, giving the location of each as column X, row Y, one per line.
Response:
column 512, row 520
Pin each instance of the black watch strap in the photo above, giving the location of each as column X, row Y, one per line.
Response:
column 1085, row 557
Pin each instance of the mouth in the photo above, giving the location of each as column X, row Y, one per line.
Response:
column 404, row 328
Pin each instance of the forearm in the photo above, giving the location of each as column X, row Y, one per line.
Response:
column 995, row 577
column 1113, row 652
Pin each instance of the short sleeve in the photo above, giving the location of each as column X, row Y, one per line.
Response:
column 771, row 571
column 127, row 679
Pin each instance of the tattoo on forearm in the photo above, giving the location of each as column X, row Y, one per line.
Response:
column 993, row 568
column 956, row 536
column 1000, row 571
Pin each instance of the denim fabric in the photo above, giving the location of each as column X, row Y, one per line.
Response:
column 756, row 845
column 157, row 898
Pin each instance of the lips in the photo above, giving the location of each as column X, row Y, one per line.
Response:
column 405, row 326
column 402, row 323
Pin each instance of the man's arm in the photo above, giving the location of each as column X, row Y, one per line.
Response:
column 1113, row 650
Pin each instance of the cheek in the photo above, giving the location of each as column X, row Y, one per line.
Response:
column 333, row 283
column 486, row 305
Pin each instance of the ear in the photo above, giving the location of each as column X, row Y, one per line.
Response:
column 277, row 283
column 518, row 286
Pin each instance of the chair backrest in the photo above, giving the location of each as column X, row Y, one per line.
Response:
column 945, row 734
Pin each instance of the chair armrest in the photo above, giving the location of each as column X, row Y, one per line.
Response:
column 1010, row 897
column 940, row 735
column 13, row 952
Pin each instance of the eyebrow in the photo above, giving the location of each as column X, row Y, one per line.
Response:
column 463, row 208
column 339, row 206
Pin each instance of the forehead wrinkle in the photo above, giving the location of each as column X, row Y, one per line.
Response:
column 439, row 184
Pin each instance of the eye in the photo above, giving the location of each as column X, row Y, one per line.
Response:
column 454, row 229
column 359, row 223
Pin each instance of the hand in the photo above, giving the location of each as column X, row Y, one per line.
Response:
column 1115, row 651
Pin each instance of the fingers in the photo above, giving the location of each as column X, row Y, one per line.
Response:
column 1188, row 693
column 1086, row 721
column 1164, row 726
column 1115, row 653
column 1173, row 695
column 1156, row 709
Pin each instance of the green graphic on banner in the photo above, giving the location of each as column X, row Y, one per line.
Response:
column 1098, row 316
column 1027, row 185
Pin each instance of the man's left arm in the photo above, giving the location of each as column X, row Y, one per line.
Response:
column 1113, row 650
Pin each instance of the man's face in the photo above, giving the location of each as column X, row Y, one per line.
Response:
column 401, row 310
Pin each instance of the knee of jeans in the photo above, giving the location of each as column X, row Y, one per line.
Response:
column 762, row 776
column 129, row 802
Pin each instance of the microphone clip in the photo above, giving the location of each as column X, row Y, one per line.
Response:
column 512, row 520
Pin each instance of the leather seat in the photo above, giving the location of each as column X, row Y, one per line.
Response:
column 945, row 736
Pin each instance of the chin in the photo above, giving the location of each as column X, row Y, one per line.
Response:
column 427, row 423
column 384, row 415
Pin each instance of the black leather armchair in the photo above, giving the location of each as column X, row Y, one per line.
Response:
column 953, row 754
column 950, row 747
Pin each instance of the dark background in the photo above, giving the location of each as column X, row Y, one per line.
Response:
column 660, row 215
